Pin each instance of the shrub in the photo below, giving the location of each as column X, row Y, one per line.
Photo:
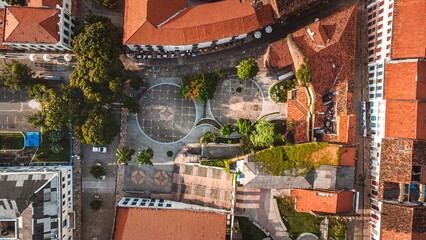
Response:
column 209, row 137
column 132, row 105
column 55, row 136
column 145, row 156
column 246, row 145
column 169, row 153
column 55, row 148
column 111, row 4
column 200, row 87
column 95, row 205
column 278, row 93
column 247, row 69
column 239, row 89
column 97, row 171
column 244, row 126
column 216, row 163
column 304, row 73
column 39, row 92
column 263, row 134
column 136, row 82
column 227, row 129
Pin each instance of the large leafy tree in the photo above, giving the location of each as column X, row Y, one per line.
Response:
column 15, row 2
column 244, row 126
column 56, row 112
column 304, row 73
column 247, row 69
column 263, row 134
column 100, row 127
column 99, row 73
column 16, row 75
column 111, row 4
column 144, row 156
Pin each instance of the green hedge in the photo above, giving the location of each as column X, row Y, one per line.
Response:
column 11, row 141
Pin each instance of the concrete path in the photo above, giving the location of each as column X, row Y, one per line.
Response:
column 274, row 110
column 260, row 206
column 99, row 186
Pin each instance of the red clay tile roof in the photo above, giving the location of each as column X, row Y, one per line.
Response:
column 346, row 129
column 405, row 81
column 2, row 46
column 409, row 30
column 398, row 157
column 279, row 56
column 405, row 119
column 335, row 202
column 320, row 35
column 402, row 222
column 146, row 223
column 31, row 25
column 297, row 111
column 182, row 25
column 44, row 3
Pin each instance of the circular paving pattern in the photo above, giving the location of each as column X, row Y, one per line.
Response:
column 165, row 115
column 138, row 177
column 161, row 178
column 234, row 99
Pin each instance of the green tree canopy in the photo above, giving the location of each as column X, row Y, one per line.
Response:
column 124, row 155
column 227, row 129
column 132, row 105
column 263, row 134
column 100, row 127
column 15, row 2
column 97, row 171
column 209, row 137
column 247, row 69
column 144, row 156
column 16, row 75
column 111, row 4
column 244, row 126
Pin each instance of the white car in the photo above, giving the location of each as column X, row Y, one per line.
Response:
column 100, row 149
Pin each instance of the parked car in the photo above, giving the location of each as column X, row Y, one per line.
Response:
column 100, row 149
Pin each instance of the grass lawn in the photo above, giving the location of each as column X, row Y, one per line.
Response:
column 11, row 141
column 298, row 159
column 44, row 154
column 250, row 231
column 298, row 223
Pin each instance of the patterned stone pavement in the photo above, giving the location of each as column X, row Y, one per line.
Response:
column 228, row 104
column 165, row 115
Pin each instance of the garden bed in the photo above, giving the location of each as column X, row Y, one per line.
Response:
column 228, row 140
column 249, row 230
column 337, row 229
column 297, row 159
column 208, row 121
column 278, row 91
column 12, row 141
column 45, row 153
column 298, row 222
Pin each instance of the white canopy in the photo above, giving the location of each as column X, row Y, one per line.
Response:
column 33, row 57
column 268, row 29
column 257, row 34
column 67, row 57
column 47, row 57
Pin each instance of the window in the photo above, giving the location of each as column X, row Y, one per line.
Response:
column 371, row 68
column 373, row 131
column 389, row 30
column 380, row 26
column 66, row 25
column 379, row 42
column 372, row 110
column 391, row 6
column 381, row 11
column 69, row 182
column 63, row 203
column 371, row 96
column 379, row 73
column 371, row 89
column 63, row 178
column 371, row 82
column 390, row 14
column 380, row 95
column 371, row 52
column 67, row 17
column 416, row 174
column 373, row 118
column 63, row 185
column 64, row 223
column 66, row 33
column 379, row 34
column 66, row 5
column 373, row 125
column 389, row 22
column 370, row 38
column 379, row 88
column 370, row 46
column 63, row 196
column 66, row 41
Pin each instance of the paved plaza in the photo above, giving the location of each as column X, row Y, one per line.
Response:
column 165, row 115
column 234, row 99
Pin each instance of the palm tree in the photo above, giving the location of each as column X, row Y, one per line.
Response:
column 124, row 155
column 145, row 156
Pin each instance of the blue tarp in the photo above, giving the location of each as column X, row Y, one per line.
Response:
column 33, row 139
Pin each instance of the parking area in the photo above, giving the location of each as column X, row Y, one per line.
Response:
column 15, row 105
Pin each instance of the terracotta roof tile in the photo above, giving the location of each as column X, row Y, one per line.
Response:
column 44, row 3
column 279, row 56
column 2, row 46
column 405, row 81
column 182, row 25
column 405, row 119
column 348, row 156
column 409, row 30
column 402, row 222
column 31, row 25
column 146, row 223
column 311, row 200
